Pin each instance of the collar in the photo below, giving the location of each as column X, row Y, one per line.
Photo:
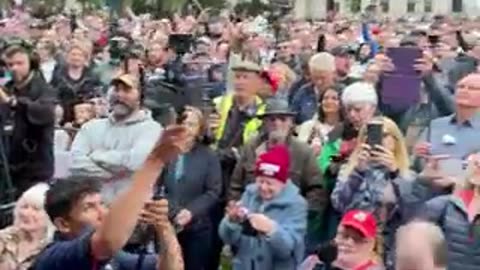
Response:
column 24, row 83
column 472, row 122
column 251, row 109
column 366, row 265
column 138, row 116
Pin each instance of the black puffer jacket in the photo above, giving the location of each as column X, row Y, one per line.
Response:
column 463, row 237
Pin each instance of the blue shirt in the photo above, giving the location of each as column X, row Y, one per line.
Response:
column 76, row 254
column 458, row 140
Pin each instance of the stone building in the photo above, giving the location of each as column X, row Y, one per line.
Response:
column 395, row 8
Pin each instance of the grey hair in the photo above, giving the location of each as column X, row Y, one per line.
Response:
column 322, row 61
column 35, row 196
column 431, row 233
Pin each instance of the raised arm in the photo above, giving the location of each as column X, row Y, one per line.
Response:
column 120, row 221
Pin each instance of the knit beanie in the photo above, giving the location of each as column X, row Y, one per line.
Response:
column 274, row 163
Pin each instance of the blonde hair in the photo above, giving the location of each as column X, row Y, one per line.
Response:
column 84, row 46
column 35, row 196
column 400, row 152
column 287, row 75
column 466, row 184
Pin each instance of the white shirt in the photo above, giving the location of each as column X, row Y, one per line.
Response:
column 47, row 69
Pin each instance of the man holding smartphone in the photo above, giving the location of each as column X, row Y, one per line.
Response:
column 90, row 237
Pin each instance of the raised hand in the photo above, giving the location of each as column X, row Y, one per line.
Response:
column 385, row 157
column 173, row 141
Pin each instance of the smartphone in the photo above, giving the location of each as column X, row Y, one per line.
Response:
column 374, row 133
column 404, row 59
column 453, row 167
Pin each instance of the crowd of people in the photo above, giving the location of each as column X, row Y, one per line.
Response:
column 214, row 141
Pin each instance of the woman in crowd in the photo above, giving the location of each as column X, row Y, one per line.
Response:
column 30, row 233
column 266, row 228
column 315, row 131
column 75, row 81
column 458, row 217
column 377, row 179
column 354, row 244
column 193, row 184
column 287, row 78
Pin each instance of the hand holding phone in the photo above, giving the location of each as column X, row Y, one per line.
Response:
column 384, row 157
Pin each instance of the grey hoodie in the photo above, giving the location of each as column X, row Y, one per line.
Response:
column 112, row 150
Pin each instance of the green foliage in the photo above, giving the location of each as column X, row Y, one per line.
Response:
column 164, row 7
column 253, row 8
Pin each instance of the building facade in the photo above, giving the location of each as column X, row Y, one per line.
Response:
column 395, row 8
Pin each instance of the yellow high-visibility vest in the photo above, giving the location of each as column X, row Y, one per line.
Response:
column 224, row 104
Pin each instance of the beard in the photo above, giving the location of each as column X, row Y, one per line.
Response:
column 121, row 110
column 277, row 137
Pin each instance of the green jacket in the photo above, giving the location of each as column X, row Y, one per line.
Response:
column 329, row 150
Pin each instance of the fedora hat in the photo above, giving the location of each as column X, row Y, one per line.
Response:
column 276, row 106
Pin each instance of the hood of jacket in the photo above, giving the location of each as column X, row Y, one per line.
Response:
column 136, row 117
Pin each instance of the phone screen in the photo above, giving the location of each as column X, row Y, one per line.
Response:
column 374, row 134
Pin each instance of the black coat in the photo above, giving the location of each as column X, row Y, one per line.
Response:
column 72, row 91
column 199, row 186
column 31, row 144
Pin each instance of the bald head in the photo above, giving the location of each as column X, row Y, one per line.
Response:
column 471, row 78
column 421, row 245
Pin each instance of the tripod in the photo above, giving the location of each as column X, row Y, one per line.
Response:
column 7, row 191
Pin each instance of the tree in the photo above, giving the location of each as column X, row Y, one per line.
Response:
column 162, row 7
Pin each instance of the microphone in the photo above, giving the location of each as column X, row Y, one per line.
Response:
column 327, row 253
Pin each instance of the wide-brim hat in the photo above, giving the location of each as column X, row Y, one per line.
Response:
column 276, row 106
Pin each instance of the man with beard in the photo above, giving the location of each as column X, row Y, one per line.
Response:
column 112, row 148
column 32, row 101
column 278, row 123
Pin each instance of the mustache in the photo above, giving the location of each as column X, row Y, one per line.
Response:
column 116, row 101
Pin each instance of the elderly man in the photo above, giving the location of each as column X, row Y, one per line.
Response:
column 456, row 135
column 278, row 123
column 111, row 149
column 234, row 124
column 322, row 77
column 421, row 245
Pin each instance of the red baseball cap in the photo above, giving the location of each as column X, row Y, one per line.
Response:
column 362, row 221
